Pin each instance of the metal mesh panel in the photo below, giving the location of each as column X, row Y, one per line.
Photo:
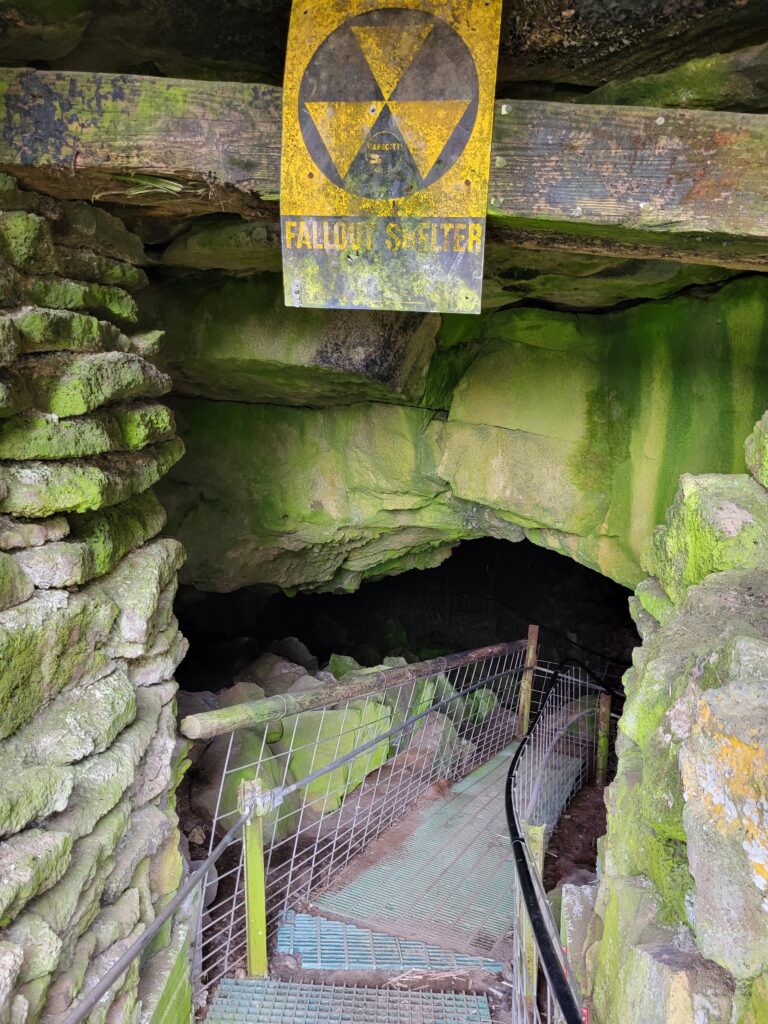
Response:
column 456, row 720
column 557, row 760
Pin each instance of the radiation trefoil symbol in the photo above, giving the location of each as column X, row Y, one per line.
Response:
column 388, row 102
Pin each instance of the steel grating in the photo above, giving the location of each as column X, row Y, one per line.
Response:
column 280, row 1002
column 449, row 882
column 338, row 946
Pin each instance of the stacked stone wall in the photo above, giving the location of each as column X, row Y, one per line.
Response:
column 89, row 840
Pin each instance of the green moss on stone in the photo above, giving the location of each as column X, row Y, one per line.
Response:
column 26, row 243
column 69, row 384
column 716, row 523
column 39, row 489
column 85, row 265
column 62, row 293
column 34, row 435
column 50, row 641
column 50, row 330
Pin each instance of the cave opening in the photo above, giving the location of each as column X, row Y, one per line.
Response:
column 487, row 592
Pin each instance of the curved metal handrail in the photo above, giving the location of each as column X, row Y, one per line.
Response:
column 551, row 955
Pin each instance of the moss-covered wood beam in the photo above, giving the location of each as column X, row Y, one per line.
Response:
column 683, row 184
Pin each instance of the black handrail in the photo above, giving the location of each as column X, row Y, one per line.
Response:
column 553, row 969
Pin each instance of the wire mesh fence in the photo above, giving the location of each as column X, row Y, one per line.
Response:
column 334, row 777
column 344, row 773
column 559, row 756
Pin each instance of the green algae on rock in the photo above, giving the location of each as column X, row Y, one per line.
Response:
column 39, row 489
column 234, row 339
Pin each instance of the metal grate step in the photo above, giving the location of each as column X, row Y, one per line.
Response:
column 280, row 1002
column 337, row 946
column 450, row 882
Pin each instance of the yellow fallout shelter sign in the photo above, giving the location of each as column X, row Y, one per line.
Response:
column 387, row 116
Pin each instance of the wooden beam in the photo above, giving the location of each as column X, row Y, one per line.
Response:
column 682, row 184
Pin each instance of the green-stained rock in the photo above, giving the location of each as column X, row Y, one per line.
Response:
column 63, row 293
column 26, row 243
column 52, row 330
column 42, row 946
column 23, row 533
column 235, row 339
column 148, row 830
column 51, row 641
column 163, row 657
column 724, row 768
column 716, row 523
column 9, row 342
column 578, row 426
column 70, row 906
column 112, row 532
column 98, row 541
column 30, row 863
column 721, row 81
column 39, row 489
column 83, row 225
column 226, row 243
column 350, row 477
column 89, row 266
column 582, row 281
column 757, row 1005
column 136, row 586
column 154, row 776
column 315, row 739
column 756, row 451
column 15, row 586
column 69, row 384
column 651, row 596
column 651, row 973
column 210, row 798
column 35, row 435
column 31, row 795
column 81, row 721
column 102, row 779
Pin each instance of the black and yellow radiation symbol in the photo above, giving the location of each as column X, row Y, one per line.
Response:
column 388, row 102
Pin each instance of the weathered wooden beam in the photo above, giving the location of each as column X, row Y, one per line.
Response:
column 584, row 41
column 685, row 184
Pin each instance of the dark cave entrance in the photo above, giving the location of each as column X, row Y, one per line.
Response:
column 489, row 591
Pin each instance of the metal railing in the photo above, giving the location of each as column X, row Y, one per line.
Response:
column 312, row 778
column 567, row 746
column 343, row 771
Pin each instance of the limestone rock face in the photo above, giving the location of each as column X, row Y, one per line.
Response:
column 235, row 339
column 724, row 764
column 571, row 428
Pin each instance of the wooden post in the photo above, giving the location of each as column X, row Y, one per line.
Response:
column 526, row 685
column 255, row 893
column 536, row 842
column 603, row 737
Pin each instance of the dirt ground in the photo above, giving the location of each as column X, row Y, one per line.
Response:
column 573, row 846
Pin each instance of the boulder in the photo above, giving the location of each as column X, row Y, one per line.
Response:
column 293, row 650
column 250, row 758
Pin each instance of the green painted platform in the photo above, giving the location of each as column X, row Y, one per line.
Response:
column 449, row 881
